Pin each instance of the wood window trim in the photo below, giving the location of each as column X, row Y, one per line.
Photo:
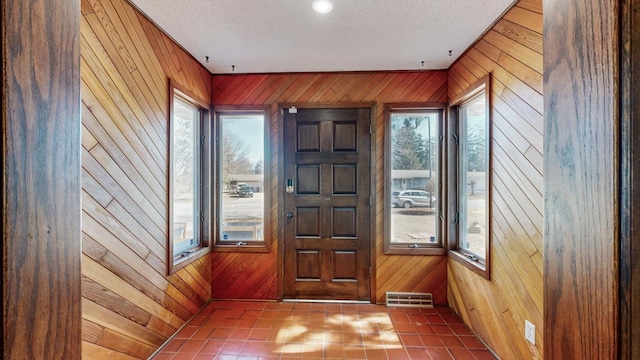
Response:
column 174, row 264
column 403, row 248
column 265, row 245
column 482, row 268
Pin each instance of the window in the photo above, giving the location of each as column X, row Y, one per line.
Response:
column 470, row 129
column 188, row 181
column 414, row 167
column 242, row 181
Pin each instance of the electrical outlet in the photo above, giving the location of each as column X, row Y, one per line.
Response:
column 530, row 332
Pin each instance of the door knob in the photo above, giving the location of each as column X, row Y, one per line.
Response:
column 289, row 215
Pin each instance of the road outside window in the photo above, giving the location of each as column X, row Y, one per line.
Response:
column 242, row 181
column 415, row 178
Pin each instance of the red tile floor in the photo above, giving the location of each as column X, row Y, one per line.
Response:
column 302, row 330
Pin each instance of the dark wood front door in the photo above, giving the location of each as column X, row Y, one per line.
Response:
column 327, row 209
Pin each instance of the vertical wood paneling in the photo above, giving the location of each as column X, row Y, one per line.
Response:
column 582, row 124
column 629, row 181
column 130, row 307
column 41, row 180
column 254, row 276
column 512, row 52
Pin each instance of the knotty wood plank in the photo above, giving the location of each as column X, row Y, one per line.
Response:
column 519, row 51
column 187, row 278
column 511, row 52
column 138, row 273
column 529, row 95
column 521, row 71
column 528, row 19
column 509, row 132
column 106, row 278
column 134, row 188
column 436, row 91
column 143, row 214
column 153, row 237
column 111, row 320
column 522, row 35
column 535, row 158
column 85, row 7
column 88, row 140
column 91, row 332
column 96, row 219
column 142, row 96
column 527, row 192
column 527, row 218
column 109, row 115
column 132, row 23
column 107, row 299
column 101, row 23
column 113, row 340
column 161, row 327
column 512, row 159
column 200, row 280
column 521, row 280
column 123, row 98
column 125, row 111
column 94, row 352
column 133, row 46
column 531, row 5
column 97, row 192
column 526, row 126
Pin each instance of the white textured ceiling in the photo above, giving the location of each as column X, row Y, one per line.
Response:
column 263, row 36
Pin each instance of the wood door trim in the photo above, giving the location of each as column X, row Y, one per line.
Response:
column 282, row 186
column 328, row 105
column 629, row 251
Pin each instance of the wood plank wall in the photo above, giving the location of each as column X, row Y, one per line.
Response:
column 248, row 276
column 41, row 180
column 496, row 310
column 629, row 181
column 129, row 305
column 582, row 220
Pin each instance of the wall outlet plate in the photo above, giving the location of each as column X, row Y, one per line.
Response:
column 530, row 332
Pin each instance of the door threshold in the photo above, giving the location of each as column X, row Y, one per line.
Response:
column 328, row 301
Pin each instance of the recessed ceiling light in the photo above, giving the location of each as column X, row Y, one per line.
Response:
column 322, row 6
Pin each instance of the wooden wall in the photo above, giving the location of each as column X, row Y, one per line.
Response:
column 629, row 181
column 129, row 305
column 496, row 309
column 244, row 275
column 41, row 180
column 582, row 124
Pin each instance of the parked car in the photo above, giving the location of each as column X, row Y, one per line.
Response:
column 412, row 198
column 244, row 191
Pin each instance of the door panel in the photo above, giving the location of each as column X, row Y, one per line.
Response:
column 327, row 237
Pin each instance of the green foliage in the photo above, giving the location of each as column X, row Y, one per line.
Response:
column 412, row 151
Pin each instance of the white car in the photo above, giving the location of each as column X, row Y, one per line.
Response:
column 412, row 198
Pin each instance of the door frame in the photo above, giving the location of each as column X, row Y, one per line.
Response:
column 282, row 186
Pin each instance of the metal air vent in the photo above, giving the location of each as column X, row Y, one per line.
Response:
column 410, row 299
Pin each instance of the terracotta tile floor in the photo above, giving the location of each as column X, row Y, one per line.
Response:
column 260, row 331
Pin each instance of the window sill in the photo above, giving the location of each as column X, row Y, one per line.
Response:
column 478, row 267
column 404, row 249
column 234, row 247
column 182, row 261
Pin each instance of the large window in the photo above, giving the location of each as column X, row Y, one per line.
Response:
column 413, row 200
column 471, row 136
column 242, row 188
column 188, row 233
